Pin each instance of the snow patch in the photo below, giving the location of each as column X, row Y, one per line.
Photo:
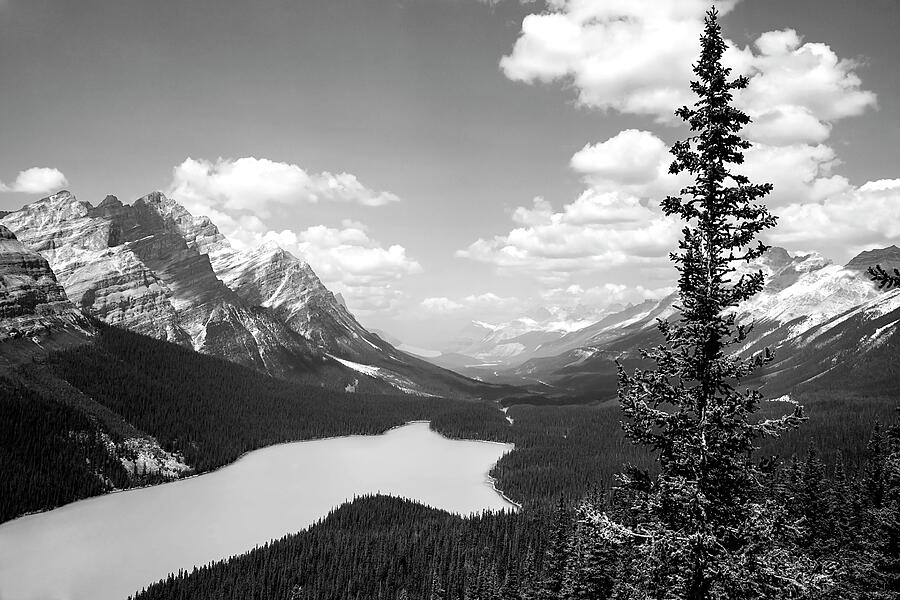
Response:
column 398, row 381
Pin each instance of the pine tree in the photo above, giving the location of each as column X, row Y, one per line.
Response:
column 436, row 590
column 557, row 554
column 593, row 563
column 701, row 527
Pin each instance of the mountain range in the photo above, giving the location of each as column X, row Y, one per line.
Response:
column 817, row 316
column 155, row 269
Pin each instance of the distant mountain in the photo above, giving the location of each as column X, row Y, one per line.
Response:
column 817, row 316
column 888, row 258
column 155, row 269
column 486, row 345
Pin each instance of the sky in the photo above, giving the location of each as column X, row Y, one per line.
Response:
column 438, row 161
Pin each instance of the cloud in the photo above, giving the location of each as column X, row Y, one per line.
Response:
column 857, row 219
column 631, row 156
column 36, row 180
column 441, row 305
column 616, row 222
column 259, row 184
column 635, row 56
column 347, row 260
column 487, row 305
column 244, row 196
column 632, row 161
column 601, row 296
column 793, row 83
column 800, row 172
column 598, row 231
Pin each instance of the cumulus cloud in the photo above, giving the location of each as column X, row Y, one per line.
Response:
column 634, row 161
column 347, row 259
column 616, row 221
column 800, row 172
column 243, row 197
column 36, row 180
column 259, row 184
column 635, row 57
column 602, row 297
column 441, row 305
column 857, row 219
column 629, row 55
column 348, row 254
column 805, row 80
column 598, row 231
column 487, row 305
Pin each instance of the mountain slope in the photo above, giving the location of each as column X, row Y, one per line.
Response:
column 817, row 316
column 155, row 269
column 32, row 301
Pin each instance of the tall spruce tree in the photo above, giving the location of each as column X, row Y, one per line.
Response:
column 701, row 527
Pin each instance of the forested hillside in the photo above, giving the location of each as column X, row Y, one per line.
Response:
column 66, row 419
column 50, row 453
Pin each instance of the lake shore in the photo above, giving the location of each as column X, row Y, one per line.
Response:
column 129, row 540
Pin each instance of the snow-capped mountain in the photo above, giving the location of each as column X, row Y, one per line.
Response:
column 815, row 314
column 154, row 268
column 487, row 345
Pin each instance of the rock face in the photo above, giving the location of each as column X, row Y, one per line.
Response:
column 132, row 267
column 888, row 258
column 156, row 269
column 32, row 302
column 273, row 278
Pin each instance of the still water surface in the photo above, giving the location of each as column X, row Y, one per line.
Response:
column 108, row 547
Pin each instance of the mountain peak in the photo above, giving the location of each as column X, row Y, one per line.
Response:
column 777, row 255
column 61, row 196
column 110, row 202
column 888, row 257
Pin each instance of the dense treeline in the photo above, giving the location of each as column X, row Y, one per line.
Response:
column 56, row 449
column 566, row 451
column 50, row 453
column 842, row 525
column 375, row 547
column 212, row 411
column 835, row 535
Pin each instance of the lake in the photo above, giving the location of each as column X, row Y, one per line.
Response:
column 108, row 547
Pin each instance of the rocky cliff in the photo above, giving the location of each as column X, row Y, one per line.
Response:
column 154, row 268
column 32, row 302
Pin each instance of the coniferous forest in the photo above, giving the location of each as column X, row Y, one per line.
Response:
column 842, row 526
